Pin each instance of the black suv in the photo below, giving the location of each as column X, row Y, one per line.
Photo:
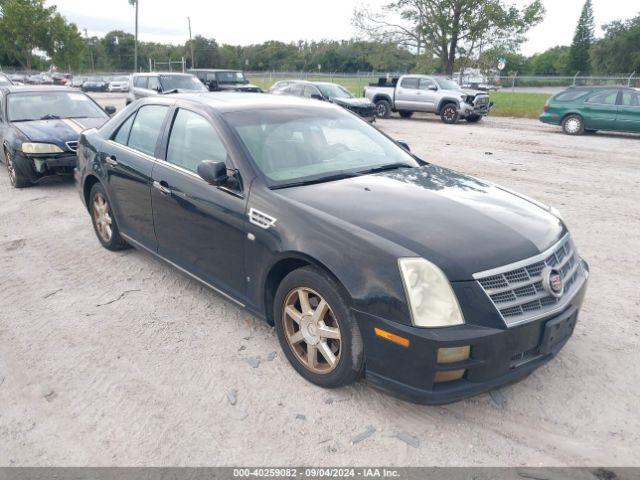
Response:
column 217, row 80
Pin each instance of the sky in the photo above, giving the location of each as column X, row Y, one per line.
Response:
column 254, row 21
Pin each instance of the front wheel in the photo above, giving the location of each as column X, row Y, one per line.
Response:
column 16, row 177
column 383, row 109
column 104, row 222
column 449, row 113
column 573, row 125
column 474, row 118
column 316, row 329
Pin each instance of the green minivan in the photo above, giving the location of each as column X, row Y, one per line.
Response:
column 589, row 109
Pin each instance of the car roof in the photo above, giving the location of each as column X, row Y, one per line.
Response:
column 152, row 74
column 212, row 70
column 37, row 88
column 599, row 87
column 232, row 101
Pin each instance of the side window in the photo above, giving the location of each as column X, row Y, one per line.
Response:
column 140, row 82
column 310, row 90
column 1, row 109
column 154, row 83
column 409, row 83
column 122, row 135
column 192, row 140
column 630, row 99
column 425, row 83
column 146, row 128
column 211, row 77
column 570, row 95
column 607, row 97
column 296, row 90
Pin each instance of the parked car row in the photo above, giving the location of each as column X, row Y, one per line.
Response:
column 368, row 260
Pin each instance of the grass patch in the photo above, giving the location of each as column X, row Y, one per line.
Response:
column 506, row 103
column 521, row 105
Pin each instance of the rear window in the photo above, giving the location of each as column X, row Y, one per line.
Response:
column 570, row 95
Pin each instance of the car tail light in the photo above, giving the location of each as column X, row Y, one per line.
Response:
column 546, row 107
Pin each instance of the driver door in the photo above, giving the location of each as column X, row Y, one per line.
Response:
column 199, row 227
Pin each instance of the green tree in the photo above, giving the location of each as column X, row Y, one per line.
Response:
column 619, row 50
column 448, row 29
column 551, row 62
column 579, row 59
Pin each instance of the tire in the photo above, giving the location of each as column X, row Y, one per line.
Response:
column 16, row 177
column 474, row 118
column 405, row 113
column 573, row 125
column 449, row 113
column 104, row 222
column 383, row 109
column 297, row 331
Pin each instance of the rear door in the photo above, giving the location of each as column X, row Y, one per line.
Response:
column 128, row 157
column 200, row 227
column 601, row 109
column 407, row 94
column 629, row 111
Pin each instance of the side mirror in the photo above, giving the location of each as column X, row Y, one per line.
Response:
column 316, row 96
column 110, row 109
column 214, row 173
column 433, row 87
column 404, row 145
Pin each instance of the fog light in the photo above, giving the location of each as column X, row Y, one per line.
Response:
column 449, row 376
column 455, row 354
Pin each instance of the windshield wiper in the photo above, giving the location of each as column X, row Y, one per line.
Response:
column 50, row 116
column 327, row 178
column 383, row 168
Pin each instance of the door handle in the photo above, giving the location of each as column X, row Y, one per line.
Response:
column 111, row 160
column 162, row 186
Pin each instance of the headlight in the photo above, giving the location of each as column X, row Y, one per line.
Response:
column 429, row 293
column 40, row 148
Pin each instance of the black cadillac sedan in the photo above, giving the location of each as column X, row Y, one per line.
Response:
column 329, row 92
column 39, row 130
column 368, row 260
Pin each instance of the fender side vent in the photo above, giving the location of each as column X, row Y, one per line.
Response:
column 261, row 219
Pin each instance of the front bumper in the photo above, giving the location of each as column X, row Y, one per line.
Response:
column 467, row 109
column 499, row 356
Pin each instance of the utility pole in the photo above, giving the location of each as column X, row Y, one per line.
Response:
column 135, row 45
column 86, row 36
column 193, row 59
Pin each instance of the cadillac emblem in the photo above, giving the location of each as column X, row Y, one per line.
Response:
column 552, row 282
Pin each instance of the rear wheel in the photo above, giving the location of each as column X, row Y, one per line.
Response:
column 449, row 113
column 16, row 177
column 405, row 113
column 383, row 108
column 316, row 329
column 573, row 125
column 104, row 222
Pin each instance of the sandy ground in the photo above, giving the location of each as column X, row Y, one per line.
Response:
column 116, row 359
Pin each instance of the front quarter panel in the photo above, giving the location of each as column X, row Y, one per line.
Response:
column 364, row 264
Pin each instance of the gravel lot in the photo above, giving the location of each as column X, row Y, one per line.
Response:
column 116, row 359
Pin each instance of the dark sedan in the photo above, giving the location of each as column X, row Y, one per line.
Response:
column 39, row 130
column 330, row 92
column 368, row 260
column 95, row 84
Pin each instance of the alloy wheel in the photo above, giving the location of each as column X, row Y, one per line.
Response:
column 573, row 125
column 311, row 330
column 449, row 113
column 381, row 110
column 102, row 217
column 11, row 169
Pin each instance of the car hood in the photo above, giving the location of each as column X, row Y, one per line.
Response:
column 470, row 91
column 352, row 102
column 58, row 131
column 238, row 86
column 460, row 223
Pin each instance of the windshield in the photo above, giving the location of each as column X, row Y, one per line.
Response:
column 447, row 84
column 231, row 77
column 120, row 79
column 331, row 90
column 48, row 105
column 291, row 146
column 181, row 82
column 4, row 81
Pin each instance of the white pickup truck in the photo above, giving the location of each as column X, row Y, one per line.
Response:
column 422, row 93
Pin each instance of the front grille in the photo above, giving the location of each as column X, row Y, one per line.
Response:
column 481, row 101
column 517, row 290
column 73, row 146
